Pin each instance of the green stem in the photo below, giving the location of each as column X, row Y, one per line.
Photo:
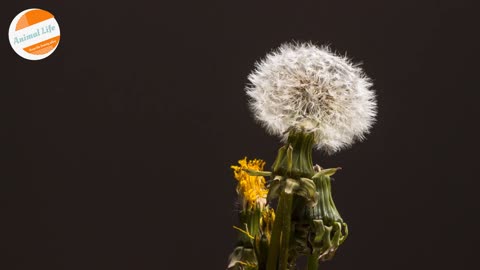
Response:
column 280, row 239
column 287, row 212
column 273, row 250
column 312, row 262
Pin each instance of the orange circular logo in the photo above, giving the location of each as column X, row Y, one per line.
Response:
column 34, row 34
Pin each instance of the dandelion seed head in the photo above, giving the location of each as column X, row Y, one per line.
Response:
column 303, row 86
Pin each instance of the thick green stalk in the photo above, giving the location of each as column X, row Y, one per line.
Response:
column 274, row 248
column 279, row 243
column 286, row 230
column 294, row 160
column 312, row 263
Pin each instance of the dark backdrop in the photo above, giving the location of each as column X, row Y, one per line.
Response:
column 115, row 150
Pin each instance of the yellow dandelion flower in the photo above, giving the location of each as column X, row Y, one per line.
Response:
column 251, row 188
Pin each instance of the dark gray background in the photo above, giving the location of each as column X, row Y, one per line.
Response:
column 115, row 150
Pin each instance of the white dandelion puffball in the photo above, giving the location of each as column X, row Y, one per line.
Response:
column 303, row 86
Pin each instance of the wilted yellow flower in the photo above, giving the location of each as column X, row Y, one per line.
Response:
column 266, row 222
column 251, row 188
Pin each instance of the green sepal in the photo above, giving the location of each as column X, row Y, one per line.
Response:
column 328, row 229
column 294, row 159
column 275, row 187
column 303, row 187
column 257, row 173
column 326, row 172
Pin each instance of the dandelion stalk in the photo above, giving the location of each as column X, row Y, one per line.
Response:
column 286, row 229
column 312, row 262
column 275, row 242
